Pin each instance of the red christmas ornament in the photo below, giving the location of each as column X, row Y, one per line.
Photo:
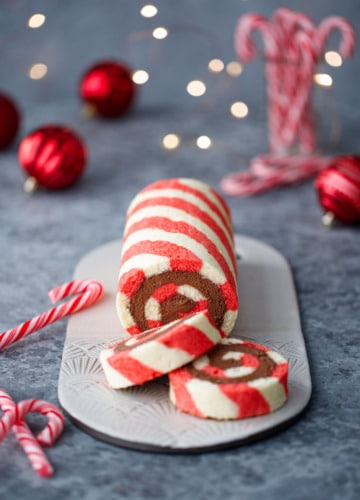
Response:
column 53, row 157
column 108, row 88
column 9, row 121
column 338, row 188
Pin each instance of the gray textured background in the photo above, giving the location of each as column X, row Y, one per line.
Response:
column 44, row 236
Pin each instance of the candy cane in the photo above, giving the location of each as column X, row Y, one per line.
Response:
column 347, row 32
column 13, row 419
column 292, row 21
column 296, row 43
column 288, row 23
column 307, row 59
column 246, row 50
column 269, row 171
column 88, row 292
column 244, row 45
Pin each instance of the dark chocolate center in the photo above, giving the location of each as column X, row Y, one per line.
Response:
column 216, row 359
column 171, row 308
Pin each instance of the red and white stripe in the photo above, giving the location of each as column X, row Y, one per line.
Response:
column 347, row 32
column 156, row 352
column 293, row 45
column 87, row 293
column 13, row 419
column 222, row 394
column 179, row 225
column 270, row 171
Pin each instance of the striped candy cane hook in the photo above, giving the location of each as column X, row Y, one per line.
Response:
column 347, row 33
column 13, row 419
column 87, row 293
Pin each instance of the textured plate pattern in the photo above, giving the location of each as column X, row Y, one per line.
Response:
column 143, row 417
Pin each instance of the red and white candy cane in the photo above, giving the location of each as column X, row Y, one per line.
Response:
column 88, row 292
column 295, row 65
column 292, row 45
column 246, row 51
column 269, row 171
column 347, row 31
column 13, row 419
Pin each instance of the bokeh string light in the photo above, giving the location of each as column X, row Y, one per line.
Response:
column 201, row 87
column 203, row 142
column 38, row 70
column 160, row 33
column 36, row 21
column 323, row 79
column 239, row 109
column 149, row 10
column 196, row 87
column 171, row 141
column 140, row 76
column 333, row 58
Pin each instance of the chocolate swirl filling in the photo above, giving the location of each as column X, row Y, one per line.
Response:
column 171, row 308
column 216, row 359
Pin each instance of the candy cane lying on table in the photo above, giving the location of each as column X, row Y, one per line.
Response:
column 13, row 419
column 269, row 171
column 88, row 292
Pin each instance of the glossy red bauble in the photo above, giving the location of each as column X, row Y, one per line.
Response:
column 9, row 120
column 338, row 188
column 108, row 88
column 53, row 155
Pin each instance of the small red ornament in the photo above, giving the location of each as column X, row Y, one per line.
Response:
column 9, row 120
column 108, row 88
column 53, row 156
column 338, row 188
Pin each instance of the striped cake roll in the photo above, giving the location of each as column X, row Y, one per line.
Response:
column 236, row 379
column 154, row 353
column 177, row 257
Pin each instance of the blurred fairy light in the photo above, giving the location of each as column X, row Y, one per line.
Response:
column 203, row 142
column 171, row 141
column 36, row 20
column 216, row 65
column 333, row 58
column 323, row 79
column 239, row 109
column 160, row 33
column 148, row 10
column 234, row 68
column 140, row 76
column 37, row 71
column 196, row 88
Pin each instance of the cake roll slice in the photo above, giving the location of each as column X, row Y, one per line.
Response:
column 154, row 353
column 234, row 380
column 177, row 257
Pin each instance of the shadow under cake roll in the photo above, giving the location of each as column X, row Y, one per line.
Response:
column 177, row 257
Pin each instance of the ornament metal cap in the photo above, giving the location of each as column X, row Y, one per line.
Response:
column 88, row 111
column 30, row 185
column 328, row 219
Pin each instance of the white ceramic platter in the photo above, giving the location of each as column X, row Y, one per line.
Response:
column 143, row 417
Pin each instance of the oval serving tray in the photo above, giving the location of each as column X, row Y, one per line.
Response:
column 143, row 417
